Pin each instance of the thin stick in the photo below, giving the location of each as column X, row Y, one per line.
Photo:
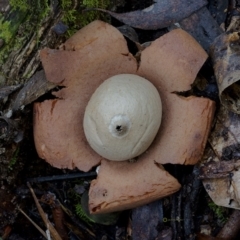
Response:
column 62, row 177
column 47, row 223
column 33, row 223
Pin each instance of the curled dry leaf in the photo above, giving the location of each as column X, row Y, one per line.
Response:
column 202, row 26
column 225, row 53
column 94, row 54
column 159, row 15
column 220, row 168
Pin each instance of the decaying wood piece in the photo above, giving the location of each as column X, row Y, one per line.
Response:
column 225, row 54
column 184, row 205
column 92, row 55
column 7, row 90
column 231, row 228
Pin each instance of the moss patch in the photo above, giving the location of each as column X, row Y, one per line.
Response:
column 75, row 16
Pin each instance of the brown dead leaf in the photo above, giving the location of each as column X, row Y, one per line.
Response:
column 92, row 55
column 220, row 167
column 159, row 15
column 225, row 54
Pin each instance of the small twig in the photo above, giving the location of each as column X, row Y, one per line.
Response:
column 62, row 177
column 80, row 225
column 57, row 213
column 47, row 223
column 48, row 235
column 33, row 223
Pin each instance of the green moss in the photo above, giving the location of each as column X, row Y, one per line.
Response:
column 13, row 160
column 8, row 33
column 25, row 13
column 78, row 18
column 93, row 15
column 19, row 4
column 5, row 32
column 38, row 7
column 219, row 212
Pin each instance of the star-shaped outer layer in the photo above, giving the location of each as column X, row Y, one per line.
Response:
column 83, row 62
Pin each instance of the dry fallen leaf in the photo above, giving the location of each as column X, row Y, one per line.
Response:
column 225, row 53
column 202, row 26
column 159, row 15
column 92, row 55
column 220, row 168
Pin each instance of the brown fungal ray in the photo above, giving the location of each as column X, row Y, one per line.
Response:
column 58, row 123
column 186, row 121
column 124, row 185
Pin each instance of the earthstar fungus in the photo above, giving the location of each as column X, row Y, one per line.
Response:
column 86, row 60
column 122, row 117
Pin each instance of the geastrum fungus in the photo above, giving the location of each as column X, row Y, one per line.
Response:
column 106, row 109
column 122, row 117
